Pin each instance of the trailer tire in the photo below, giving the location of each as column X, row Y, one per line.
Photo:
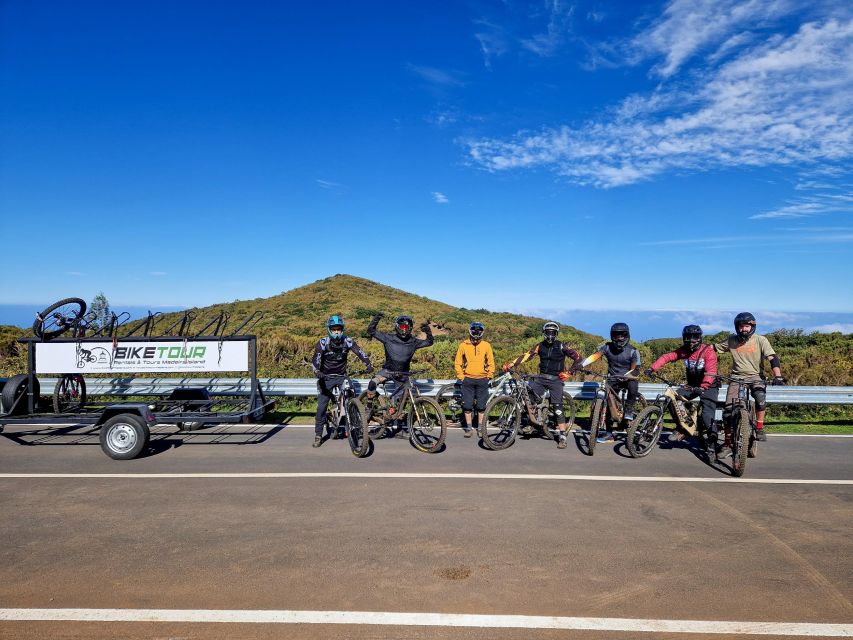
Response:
column 125, row 436
column 15, row 387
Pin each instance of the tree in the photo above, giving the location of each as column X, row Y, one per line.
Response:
column 99, row 310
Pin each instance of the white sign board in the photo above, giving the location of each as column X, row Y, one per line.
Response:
column 141, row 357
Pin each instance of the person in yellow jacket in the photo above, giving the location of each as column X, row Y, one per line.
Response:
column 475, row 366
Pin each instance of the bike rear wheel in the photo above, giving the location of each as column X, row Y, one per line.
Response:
column 359, row 440
column 596, row 423
column 644, row 432
column 449, row 398
column 58, row 318
column 550, row 430
column 427, row 428
column 500, row 422
column 69, row 394
column 740, row 442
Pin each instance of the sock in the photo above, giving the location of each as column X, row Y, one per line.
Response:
column 759, row 425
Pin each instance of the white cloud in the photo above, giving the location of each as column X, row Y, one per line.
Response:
column 328, row 184
column 439, row 197
column 784, row 101
column 835, row 327
column 437, row 76
column 545, row 44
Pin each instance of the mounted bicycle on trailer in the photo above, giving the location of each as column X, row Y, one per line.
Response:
column 98, row 349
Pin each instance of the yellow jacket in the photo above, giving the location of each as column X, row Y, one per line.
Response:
column 474, row 360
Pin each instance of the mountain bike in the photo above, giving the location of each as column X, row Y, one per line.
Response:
column 421, row 416
column 347, row 413
column 505, row 413
column 609, row 405
column 644, row 432
column 741, row 423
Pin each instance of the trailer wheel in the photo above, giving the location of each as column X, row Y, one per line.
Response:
column 14, row 389
column 124, row 436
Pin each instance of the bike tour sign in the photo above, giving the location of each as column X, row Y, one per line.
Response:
column 141, row 357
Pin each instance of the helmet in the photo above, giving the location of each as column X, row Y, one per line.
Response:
column 550, row 331
column 744, row 318
column 691, row 335
column 403, row 327
column 620, row 334
column 476, row 331
column 335, row 327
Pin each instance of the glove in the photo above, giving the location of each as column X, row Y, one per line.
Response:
column 506, row 367
column 425, row 327
column 564, row 375
column 778, row 381
column 369, row 369
column 649, row 372
column 320, row 375
column 378, row 316
column 688, row 392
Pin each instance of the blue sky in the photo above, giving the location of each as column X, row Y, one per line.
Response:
column 509, row 155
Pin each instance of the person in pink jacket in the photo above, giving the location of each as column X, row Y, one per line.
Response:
column 700, row 363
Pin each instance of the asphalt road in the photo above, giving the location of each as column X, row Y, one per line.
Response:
column 583, row 548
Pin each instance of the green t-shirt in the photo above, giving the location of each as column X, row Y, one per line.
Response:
column 746, row 357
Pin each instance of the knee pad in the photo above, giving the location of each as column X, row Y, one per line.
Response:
column 760, row 399
column 371, row 386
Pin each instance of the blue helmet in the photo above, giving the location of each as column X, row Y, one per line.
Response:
column 333, row 322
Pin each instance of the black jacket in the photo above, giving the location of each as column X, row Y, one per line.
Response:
column 398, row 352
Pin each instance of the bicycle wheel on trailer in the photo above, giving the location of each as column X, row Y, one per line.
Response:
column 740, row 442
column 359, row 440
column 500, row 422
column 427, row 428
column 69, row 394
column 644, row 432
column 58, row 318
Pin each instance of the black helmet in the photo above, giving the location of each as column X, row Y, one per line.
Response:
column 691, row 336
column 550, row 331
column 620, row 334
column 335, row 324
column 476, row 331
column 403, row 327
column 744, row 317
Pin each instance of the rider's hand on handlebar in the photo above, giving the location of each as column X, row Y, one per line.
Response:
column 320, row 375
column 369, row 369
column 564, row 375
column 649, row 372
column 507, row 367
column 778, row 381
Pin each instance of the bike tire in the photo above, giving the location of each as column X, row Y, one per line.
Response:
column 740, row 443
column 376, row 431
column 42, row 328
column 449, row 399
column 598, row 420
column 69, row 394
column 752, row 452
column 357, row 435
column 427, row 427
column 644, row 431
column 569, row 411
column 500, row 422
column 15, row 387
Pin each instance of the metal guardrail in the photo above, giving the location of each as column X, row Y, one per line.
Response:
column 303, row 387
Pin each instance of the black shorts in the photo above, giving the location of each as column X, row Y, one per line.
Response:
column 474, row 389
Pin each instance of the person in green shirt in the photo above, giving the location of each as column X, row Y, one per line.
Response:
column 749, row 351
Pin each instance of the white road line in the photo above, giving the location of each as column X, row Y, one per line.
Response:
column 429, row 620
column 421, row 476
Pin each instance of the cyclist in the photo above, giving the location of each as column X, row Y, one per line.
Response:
column 552, row 372
column 622, row 360
column 400, row 347
column 700, row 363
column 330, row 366
column 748, row 350
column 475, row 366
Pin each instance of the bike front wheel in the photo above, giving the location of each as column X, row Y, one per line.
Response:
column 359, row 440
column 597, row 423
column 374, row 410
column 644, row 432
column 500, row 422
column 58, row 318
column 69, row 394
column 740, row 442
column 427, row 428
